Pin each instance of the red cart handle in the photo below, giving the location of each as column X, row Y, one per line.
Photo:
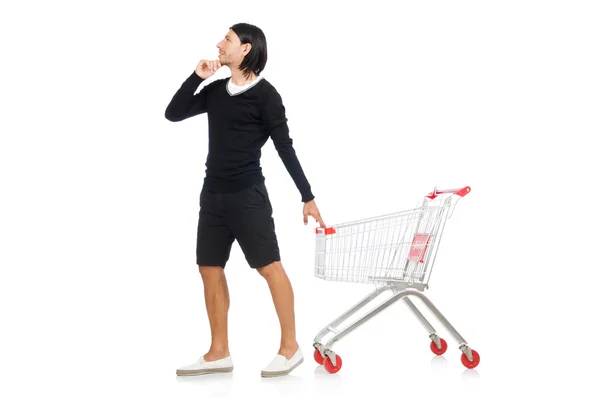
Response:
column 325, row 230
column 462, row 192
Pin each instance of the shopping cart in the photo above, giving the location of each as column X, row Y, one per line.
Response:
column 396, row 252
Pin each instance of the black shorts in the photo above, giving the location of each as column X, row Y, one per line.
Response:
column 244, row 216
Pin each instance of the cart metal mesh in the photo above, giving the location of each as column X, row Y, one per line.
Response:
column 398, row 247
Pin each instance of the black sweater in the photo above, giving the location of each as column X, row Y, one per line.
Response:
column 238, row 127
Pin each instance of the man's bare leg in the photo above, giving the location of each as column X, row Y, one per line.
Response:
column 216, row 297
column 283, row 299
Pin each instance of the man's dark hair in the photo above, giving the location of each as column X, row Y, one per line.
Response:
column 256, row 59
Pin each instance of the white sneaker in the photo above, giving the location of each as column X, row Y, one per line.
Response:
column 207, row 367
column 282, row 366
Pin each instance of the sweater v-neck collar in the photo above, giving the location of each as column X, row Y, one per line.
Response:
column 245, row 87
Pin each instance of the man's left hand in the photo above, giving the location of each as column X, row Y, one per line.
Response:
column 310, row 208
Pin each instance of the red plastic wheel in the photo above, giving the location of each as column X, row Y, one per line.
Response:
column 441, row 350
column 470, row 364
column 329, row 366
column 318, row 357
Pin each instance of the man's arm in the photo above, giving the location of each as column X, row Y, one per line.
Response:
column 184, row 103
column 276, row 122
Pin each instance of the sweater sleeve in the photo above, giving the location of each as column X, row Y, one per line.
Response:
column 184, row 103
column 276, row 122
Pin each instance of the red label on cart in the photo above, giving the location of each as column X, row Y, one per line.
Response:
column 418, row 247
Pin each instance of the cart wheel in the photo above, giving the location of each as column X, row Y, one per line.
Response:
column 329, row 366
column 318, row 357
column 470, row 364
column 441, row 350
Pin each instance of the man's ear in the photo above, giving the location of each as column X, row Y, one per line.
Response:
column 247, row 49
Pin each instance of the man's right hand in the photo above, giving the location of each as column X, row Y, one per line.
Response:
column 207, row 68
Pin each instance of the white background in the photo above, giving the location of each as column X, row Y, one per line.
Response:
column 99, row 291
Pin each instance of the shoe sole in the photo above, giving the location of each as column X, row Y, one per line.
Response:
column 192, row 372
column 280, row 373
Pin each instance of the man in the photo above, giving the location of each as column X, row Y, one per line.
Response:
column 244, row 111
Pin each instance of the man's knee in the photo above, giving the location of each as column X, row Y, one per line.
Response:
column 271, row 270
column 210, row 271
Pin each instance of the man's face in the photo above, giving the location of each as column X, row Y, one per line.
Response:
column 231, row 50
